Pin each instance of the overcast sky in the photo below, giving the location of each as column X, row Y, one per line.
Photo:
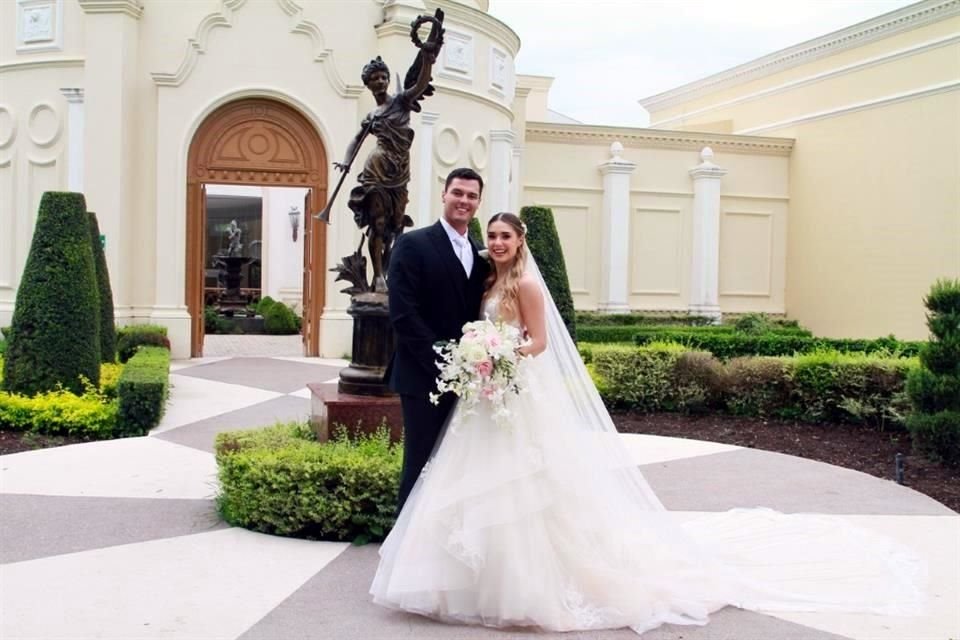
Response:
column 607, row 54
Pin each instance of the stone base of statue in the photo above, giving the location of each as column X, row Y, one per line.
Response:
column 372, row 346
column 231, row 267
column 331, row 408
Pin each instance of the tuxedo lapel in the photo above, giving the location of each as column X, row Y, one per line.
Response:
column 451, row 263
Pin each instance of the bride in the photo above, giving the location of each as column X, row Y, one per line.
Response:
column 548, row 523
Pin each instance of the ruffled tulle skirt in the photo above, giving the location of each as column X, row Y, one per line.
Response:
column 543, row 524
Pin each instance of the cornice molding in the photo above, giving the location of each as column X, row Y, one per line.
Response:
column 888, row 24
column 479, row 21
column 224, row 18
column 656, row 138
column 132, row 8
column 26, row 65
column 479, row 97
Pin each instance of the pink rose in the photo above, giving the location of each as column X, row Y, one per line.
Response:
column 488, row 393
column 484, row 368
column 493, row 341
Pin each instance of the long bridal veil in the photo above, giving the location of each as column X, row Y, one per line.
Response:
column 768, row 560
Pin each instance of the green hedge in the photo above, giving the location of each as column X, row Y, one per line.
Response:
column 544, row 243
column 279, row 319
column 59, row 412
column 816, row 387
column 281, row 481
column 142, row 391
column 55, row 332
column 108, row 329
column 727, row 345
column 131, row 337
column 476, row 232
column 934, row 388
column 672, row 333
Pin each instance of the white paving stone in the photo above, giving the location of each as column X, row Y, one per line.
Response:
column 211, row 586
column 326, row 362
column 937, row 538
column 177, row 365
column 127, row 468
column 302, row 393
column 648, row 449
column 193, row 399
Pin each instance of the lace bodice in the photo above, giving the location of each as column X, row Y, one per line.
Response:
column 491, row 310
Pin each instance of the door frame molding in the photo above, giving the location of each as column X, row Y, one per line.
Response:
column 304, row 166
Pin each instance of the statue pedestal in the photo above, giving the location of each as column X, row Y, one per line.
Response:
column 329, row 406
column 372, row 346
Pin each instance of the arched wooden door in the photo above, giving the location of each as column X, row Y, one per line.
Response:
column 257, row 142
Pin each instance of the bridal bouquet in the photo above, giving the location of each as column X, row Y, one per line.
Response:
column 483, row 365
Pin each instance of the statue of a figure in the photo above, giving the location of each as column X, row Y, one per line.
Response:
column 379, row 201
column 233, row 235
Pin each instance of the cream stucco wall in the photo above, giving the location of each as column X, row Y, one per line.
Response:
column 875, row 173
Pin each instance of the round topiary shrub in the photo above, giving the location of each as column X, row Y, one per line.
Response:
column 56, row 321
column 263, row 304
column 281, row 481
column 544, row 244
column 108, row 328
column 279, row 319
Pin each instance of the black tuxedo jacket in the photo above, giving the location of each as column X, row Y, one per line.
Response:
column 431, row 298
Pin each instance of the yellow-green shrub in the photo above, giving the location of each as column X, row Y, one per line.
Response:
column 59, row 413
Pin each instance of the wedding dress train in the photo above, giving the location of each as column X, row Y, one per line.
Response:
column 549, row 523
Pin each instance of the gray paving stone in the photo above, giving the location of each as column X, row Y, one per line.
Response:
column 754, row 478
column 252, row 345
column 335, row 604
column 271, row 374
column 40, row 526
column 201, row 434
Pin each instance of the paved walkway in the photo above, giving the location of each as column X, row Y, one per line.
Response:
column 121, row 540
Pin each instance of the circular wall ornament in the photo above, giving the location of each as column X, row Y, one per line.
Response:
column 447, row 147
column 8, row 126
column 478, row 152
column 43, row 124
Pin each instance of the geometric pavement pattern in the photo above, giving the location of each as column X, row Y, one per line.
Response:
column 121, row 539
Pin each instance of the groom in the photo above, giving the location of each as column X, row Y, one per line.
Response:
column 435, row 282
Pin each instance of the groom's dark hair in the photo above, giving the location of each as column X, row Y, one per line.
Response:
column 464, row 173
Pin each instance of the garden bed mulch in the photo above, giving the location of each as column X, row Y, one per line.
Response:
column 854, row 447
column 858, row 448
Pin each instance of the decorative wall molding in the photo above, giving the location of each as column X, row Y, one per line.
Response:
column 932, row 90
column 457, row 57
column 44, row 139
column 888, row 24
column 656, row 138
column 132, row 8
column 447, row 154
column 479, row 152
column 478, row 97
column 8, row 222
column 7, row 137
column 39, row 26
column 481, row 21
column 817, row 77
column 224, row 18
column 27, row 65
column 767, row 292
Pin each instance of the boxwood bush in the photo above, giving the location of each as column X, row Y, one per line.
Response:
column 134, row 336
column 142, row 391
column 934, row 387
column 108, row 329
column 544, row 243
column 55, row 333
column 280, row 480
column 279, row 319
column 731, row 344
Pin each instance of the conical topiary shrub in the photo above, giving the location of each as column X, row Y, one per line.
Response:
column 934, row 388
column 55, row 334
column 475, row 231
column 108, row 328
column 544, row 243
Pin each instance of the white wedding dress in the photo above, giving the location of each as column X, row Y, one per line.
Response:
column 548, row 523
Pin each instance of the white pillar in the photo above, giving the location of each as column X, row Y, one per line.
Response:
column 705, row 266
column 516, row 187
column 425, row 174
column 616, row 232
column 75, row 123
column 496, row 191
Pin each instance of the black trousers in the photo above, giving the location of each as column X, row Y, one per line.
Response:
column 422, row 422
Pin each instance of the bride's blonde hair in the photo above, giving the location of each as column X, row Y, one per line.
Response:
column 510, row 284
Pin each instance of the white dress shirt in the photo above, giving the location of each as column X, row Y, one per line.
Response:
column 461, row 246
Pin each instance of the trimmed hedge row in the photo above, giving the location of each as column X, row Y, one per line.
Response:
column 280, row 480
column 674, row 333
column 142, row 391
column 735, row 344
column 131, row 337
column 816, row 387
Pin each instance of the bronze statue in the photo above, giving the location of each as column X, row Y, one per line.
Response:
column 380, row 199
